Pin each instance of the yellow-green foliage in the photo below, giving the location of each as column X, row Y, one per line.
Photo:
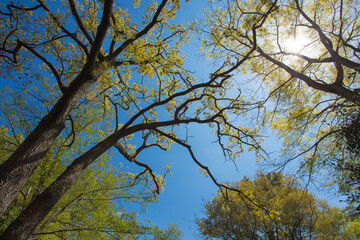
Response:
column 272, row 206
column 302, row 87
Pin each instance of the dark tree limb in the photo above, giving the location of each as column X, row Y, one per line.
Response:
column 79, row 22
column 329, row 88
column 130, row 158
column 72, row 133
column 16, row 170
column 52, row 68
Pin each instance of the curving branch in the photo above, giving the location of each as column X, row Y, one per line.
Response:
column 339, row 61
column 130, row 158
column 313, row 148
column 72, row 133
column 339, row 90
column 22, row 8
column 140, row 34
column 71, row 35
column 52, row 68
column 221, row 186
column 79, row 22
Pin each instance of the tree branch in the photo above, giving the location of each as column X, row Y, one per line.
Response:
column 79, row 22
column 123, row 152
column 52, row 68
column 100, row 35
column 207, row 170
column 62, row 27
column 330, row 88
column 143, row 32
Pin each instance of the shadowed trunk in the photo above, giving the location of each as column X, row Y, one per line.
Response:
column 23, row 227
column 16, row 170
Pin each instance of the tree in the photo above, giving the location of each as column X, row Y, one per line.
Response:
column 93, row 206
column 282, row 211
column 102, row 60
column 306, row 62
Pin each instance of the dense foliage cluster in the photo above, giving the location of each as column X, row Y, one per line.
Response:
column 304, row 56
column 276, row 207
column 348, row 166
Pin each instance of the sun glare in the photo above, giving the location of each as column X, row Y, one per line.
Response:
column 300, row 43
column 296, row 44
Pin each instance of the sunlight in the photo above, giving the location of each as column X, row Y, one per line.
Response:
column 302, row 43
column 298, row 44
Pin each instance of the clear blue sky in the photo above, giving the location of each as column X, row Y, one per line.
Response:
column 186, row 190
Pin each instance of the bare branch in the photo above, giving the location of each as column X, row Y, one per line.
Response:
column 79, row 22
column 140, row 34
column 207, row 170
column 338, row 90
column 123, row 151
column 52, row 68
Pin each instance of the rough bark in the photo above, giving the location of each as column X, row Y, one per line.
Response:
column 23, row 227
column 16, row 170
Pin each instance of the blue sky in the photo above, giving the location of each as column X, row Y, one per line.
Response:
column 186, row 190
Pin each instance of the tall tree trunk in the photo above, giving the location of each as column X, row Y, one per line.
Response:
column 17, row 169
column 23, row 227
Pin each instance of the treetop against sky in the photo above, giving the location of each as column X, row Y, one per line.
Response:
column 115, row 74
column 90, row 51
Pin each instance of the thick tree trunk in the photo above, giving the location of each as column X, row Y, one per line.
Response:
column 23, row 227
column 16, row 170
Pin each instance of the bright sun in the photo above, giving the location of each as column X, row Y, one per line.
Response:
column 300, row 43
column 296, row 44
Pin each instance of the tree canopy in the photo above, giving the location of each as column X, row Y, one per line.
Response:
column 86, row 78
column 75, row 59
column 94, row 206
column 303, row 59
column 282, row 210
